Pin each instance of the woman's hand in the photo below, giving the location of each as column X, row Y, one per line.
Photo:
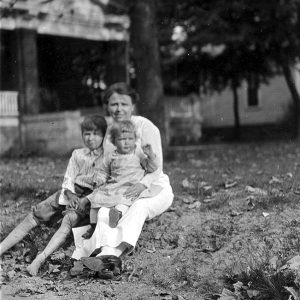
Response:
column 134, row 191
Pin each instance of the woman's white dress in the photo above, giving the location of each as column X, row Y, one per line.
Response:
column 130, row 226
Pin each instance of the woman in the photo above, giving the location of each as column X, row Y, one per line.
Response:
column 114, row 242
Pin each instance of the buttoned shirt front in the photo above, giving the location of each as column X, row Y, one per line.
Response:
column 82, row 169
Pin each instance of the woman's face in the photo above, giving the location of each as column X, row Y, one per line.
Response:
column 120, row 107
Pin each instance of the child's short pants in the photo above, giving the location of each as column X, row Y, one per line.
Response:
column 45, row 210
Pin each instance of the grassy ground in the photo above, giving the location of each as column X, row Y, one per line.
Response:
column 236, row 212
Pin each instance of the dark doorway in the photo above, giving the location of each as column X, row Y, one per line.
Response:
column 71, row 72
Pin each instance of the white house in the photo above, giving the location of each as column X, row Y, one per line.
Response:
column 266, row 104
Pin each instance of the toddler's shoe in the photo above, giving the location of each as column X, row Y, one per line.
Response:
column 114, row 217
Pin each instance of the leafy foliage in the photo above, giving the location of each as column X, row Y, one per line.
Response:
column 227, row 41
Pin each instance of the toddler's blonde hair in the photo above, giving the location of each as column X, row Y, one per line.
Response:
column 121, row 127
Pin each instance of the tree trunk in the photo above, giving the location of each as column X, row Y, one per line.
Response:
column 237, row 126
column 143, row 35
column 295, row 96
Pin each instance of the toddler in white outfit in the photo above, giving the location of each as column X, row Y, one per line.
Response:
column 123, row 167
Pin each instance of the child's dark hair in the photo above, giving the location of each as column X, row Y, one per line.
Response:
column 94, row 122
column 121, row 127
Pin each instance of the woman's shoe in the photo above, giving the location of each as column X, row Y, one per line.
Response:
column 105, row 274
column 106, row 266
column 97, row 263
column 117, row 263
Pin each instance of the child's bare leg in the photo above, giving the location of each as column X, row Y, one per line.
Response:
column 18, row 233
column 93, row 221
column 116, row 213
column 69, row 221
column 42, row 212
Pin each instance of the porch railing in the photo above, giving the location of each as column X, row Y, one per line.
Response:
column 9, row 103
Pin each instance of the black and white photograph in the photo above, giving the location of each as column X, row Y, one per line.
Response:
column 150, row 150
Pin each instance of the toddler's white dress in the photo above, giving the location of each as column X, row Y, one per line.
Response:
column 120, row 172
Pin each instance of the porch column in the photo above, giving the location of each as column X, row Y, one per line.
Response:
column 27, row 71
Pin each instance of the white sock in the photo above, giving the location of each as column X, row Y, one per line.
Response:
column 116, row 251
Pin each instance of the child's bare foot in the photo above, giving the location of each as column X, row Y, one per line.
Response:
column 34, row 267
column 114, row 217
column 89, row 232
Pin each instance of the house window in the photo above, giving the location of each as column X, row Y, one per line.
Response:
column 253, row 91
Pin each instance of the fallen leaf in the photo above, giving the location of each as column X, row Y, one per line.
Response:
column 186, row 198
column 8, row 203
column 77, row 268
column 256, row 191
column 197, row 163
column 235, row 213
column 230, row 184
column 274, row 262
column 23, row 294
column 275, row 180
column 292, row 264
column 11, row 274
column 207, row 190
column 150, row 251
column 293, row 293
column 58, row 255
column 196, row 204
column 250, row 202
column 185, row 183
column 158, row 235
column 252, row 293
column 207, row 200
column 277, row 193
column 53, row 268
column 227, row 295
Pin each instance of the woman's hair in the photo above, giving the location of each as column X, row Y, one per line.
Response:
column 94, row 122
column 121, row 88
column 121, row 127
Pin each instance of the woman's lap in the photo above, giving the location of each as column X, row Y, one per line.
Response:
column 130, row 225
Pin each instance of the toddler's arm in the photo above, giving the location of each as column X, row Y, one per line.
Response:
column 150, row 162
